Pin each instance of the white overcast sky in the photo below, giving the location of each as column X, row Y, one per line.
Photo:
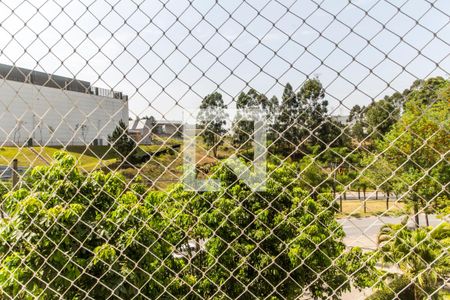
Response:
column 167, row 55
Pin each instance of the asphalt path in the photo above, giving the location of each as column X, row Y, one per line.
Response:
column 362, row 232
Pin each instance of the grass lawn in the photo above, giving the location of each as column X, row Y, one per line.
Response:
column 162, row 140
column 163, row 170
column 355, row 208
column 160, row 171
column 89, row 158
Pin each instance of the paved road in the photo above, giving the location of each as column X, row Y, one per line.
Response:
column 362, row 232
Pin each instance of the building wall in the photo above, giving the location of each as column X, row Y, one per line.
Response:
column 174, row 130
column 53, row 116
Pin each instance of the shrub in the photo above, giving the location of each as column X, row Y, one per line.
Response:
column 77, row 236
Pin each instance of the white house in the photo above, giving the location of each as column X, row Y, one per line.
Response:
column 37, row 108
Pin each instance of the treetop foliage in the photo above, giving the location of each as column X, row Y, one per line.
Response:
column 212, row 120
column 94, row 235
column 124, row 145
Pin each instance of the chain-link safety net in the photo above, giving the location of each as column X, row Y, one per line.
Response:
column 239, row 149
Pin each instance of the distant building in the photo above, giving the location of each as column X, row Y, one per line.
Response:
column 172, row 129
column 141, row 130
column 341, row 119
column 37, row 108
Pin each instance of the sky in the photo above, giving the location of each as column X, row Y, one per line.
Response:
column 168, row 55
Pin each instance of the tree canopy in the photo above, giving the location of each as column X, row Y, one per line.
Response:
column 122, row 143
column 417, row 145
column 212, row 120
column 77, row 235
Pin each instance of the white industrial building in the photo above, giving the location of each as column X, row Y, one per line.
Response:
column 37, row 108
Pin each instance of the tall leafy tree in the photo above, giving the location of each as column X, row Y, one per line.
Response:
column 356, row 118
column 122, row 143
column 243, row 129
column 277, row 243
column 303, row 119
column 374, row 121
column 380, row 116
column 4, row 189
column 320, row 128
column 212, row 120
column 288, row 130
column 314, row 111
column 381, row 174
column 418, row 144
column 334, row 133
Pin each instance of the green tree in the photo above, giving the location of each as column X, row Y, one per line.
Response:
column 398, row 99
column 356, row 118
column 380, row 116
column 425, row 92
column 421, row 254
column 212, row 121
column 303, row 119
column 312, row 176
column 321, row 129
column 76, row 236
column 381, row 173
column 418, row 144
column 122, row 143
column 363, row 182
column 273, row 244
column 273, row 110
column 342, row 165
column 4, row 189
column 243, row 129
column 289, row 133
column 313, row 111
column 335, row 134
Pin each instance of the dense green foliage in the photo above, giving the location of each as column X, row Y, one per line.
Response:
column 422, row 257
column 212, row 121
column 275, row 244
column 122, row 143
column 303, row 120
column 4, row 188
column 417, row 145
column 74, row 236
column 243, row 129
column 380, row 116
column 71, row 235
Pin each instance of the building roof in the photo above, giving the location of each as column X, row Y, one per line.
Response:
column 139, row 124
column 18, row 74
column 167, row 122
